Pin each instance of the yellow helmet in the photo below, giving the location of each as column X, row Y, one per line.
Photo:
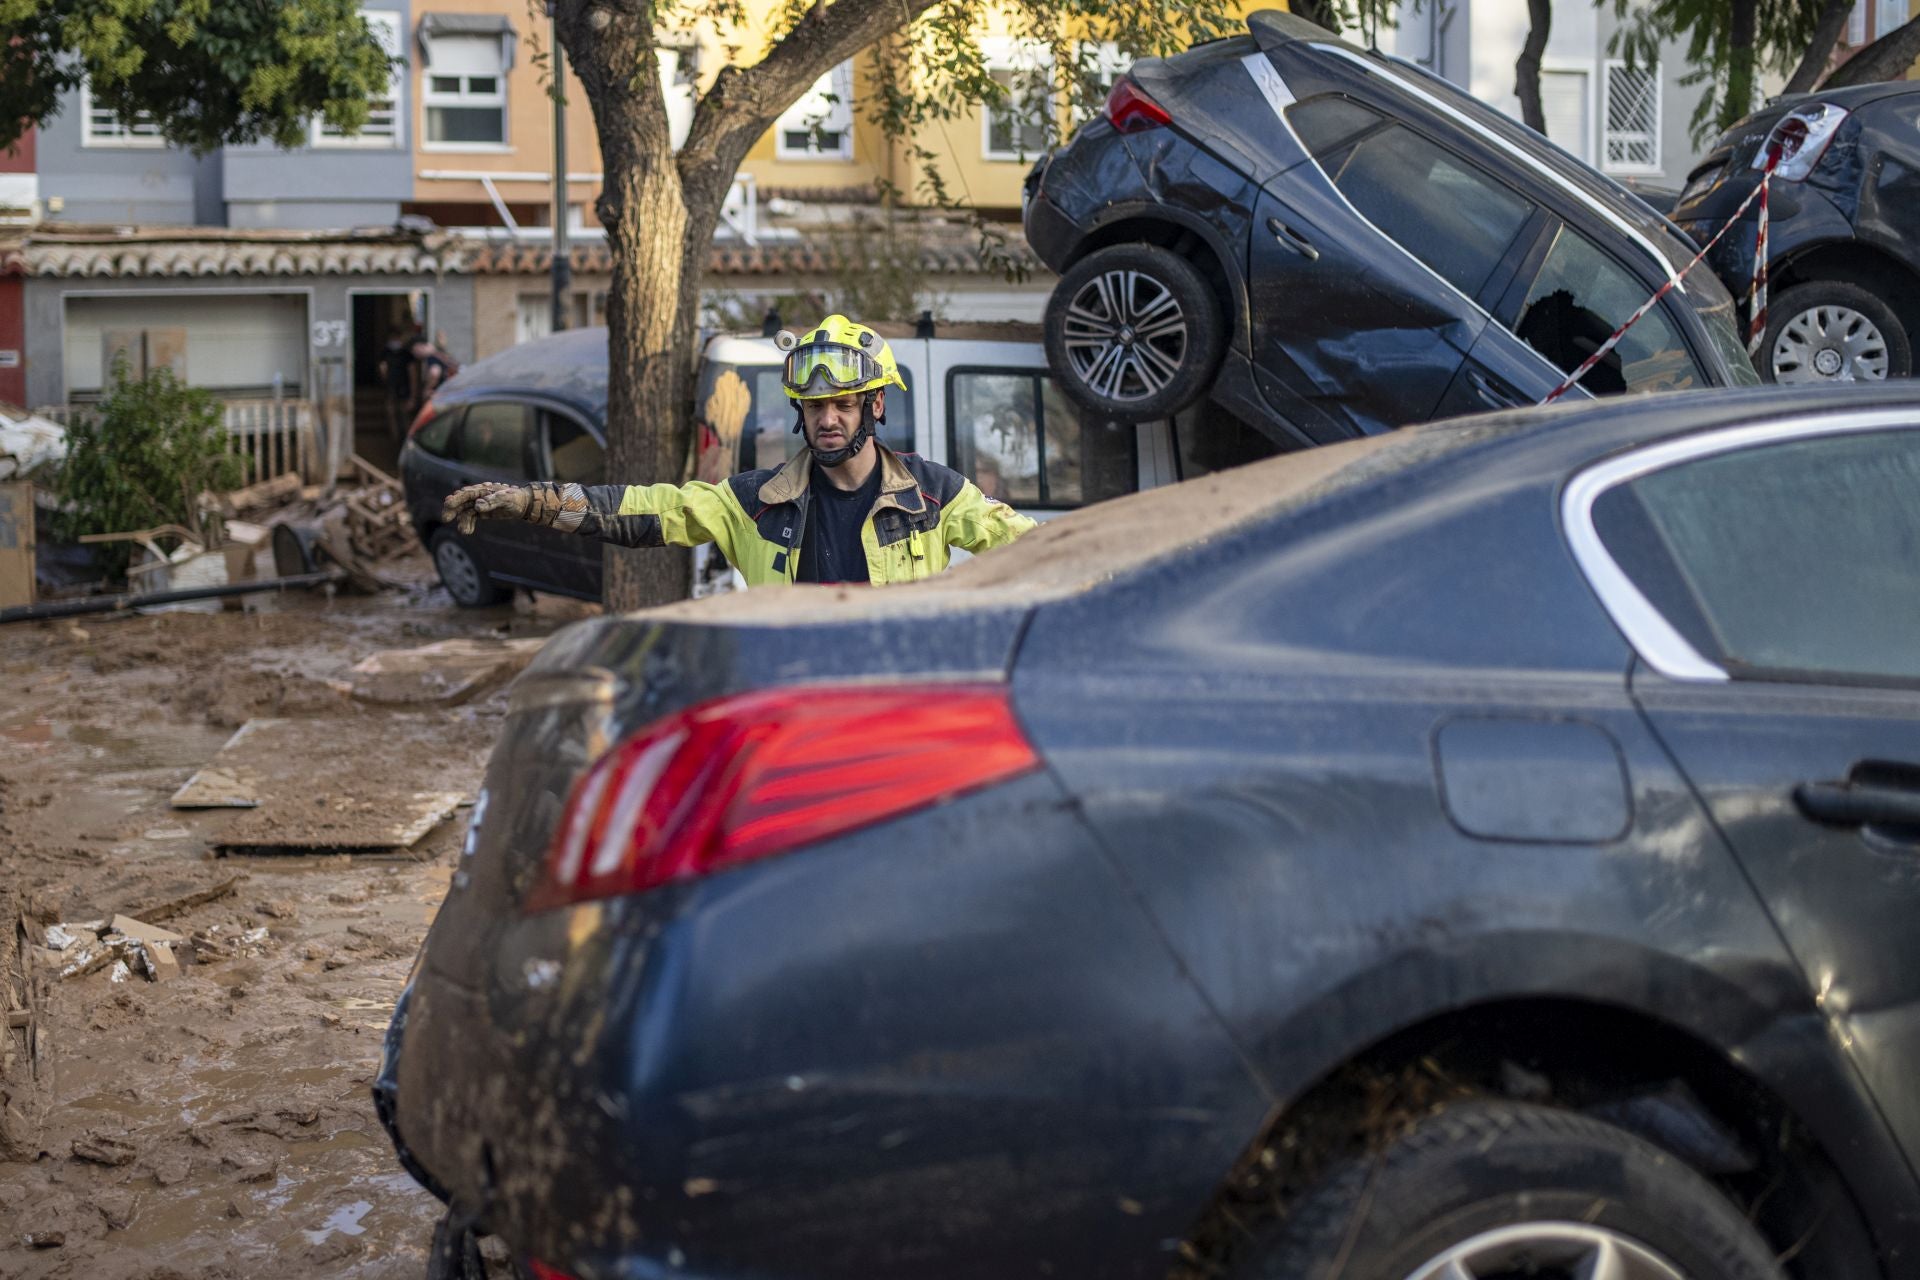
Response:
column 836, row 358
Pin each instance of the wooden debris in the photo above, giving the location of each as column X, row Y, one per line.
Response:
column 172, row 907
column 162, row 965
column 448, row 672
column 141, row 931
column 102, row 1148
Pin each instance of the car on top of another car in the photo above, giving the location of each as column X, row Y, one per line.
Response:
column 1330, row 243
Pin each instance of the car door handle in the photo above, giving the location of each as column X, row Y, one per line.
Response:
column 1849, row 804
column 1492, row 389
column 1293, row 240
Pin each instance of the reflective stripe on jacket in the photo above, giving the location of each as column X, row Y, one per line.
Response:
column 758, row 518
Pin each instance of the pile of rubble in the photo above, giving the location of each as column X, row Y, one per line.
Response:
column 358, row 525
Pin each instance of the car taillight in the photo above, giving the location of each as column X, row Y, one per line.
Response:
column 1799, row 140
column 541, row 1271
column 757, row 774
column 1130, row 110
column 420, row 418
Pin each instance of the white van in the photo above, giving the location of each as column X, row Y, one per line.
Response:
column 980, row 400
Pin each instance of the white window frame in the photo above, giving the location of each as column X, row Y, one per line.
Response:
column 1591, row 89
column 814, row 110
column 396, row 109
column 1857, row 24
column 1002, row 53
column 89, row 138
column 1109, row 63
column 1892, row 15
column 1603, row 118
column 430, row 98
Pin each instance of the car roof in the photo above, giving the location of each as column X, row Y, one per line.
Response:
column 569, row 367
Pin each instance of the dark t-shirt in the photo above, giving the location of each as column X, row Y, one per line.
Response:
column 832, row 551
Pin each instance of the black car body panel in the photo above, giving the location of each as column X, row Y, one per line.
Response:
column 1337, row 747
column 1337, row 329
column 1861, row 198
column 560, row 380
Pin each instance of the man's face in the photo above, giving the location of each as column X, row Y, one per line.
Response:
column 832, row 424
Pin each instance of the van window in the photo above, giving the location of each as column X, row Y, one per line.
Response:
column 1577, row 300
column 1437, row 207
column 1018, row 437
column 747, row 403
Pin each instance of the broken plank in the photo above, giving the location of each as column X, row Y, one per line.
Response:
column 231, row 779
column 349, row 828
column 172, row 907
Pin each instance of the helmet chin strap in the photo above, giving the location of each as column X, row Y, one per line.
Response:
column 834, row 457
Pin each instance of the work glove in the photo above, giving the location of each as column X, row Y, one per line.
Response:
column 493, row 501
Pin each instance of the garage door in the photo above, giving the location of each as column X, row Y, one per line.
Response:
column 235, row 343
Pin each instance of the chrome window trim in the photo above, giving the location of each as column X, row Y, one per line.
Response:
column 1655, row 639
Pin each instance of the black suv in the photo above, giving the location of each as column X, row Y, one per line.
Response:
column 1843, row 247
column 1332, row 243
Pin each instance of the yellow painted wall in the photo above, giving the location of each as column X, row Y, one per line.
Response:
column 970, row 175
column 529, row 145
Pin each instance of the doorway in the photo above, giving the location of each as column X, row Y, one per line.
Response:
column 384, row 400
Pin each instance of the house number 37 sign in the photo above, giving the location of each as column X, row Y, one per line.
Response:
column 329, row 333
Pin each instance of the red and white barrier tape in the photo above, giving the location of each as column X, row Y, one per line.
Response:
column 1757, row 295
column 1759, row 287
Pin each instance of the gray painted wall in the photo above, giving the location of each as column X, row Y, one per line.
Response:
column 116, row 184
column 312, row 188
column 345, row 185
column 328, row 310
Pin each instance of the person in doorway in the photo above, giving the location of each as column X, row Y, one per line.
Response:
column 435, row 367
column 845, row 509
column 398, row 373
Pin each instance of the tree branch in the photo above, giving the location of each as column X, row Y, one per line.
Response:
column 744, row 102
column 1833, row 20
column 1885, row 59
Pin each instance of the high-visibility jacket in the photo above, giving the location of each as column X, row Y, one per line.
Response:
column 758, row 518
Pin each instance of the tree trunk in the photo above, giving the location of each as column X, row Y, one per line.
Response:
column 1887, row 58
column 1826, row 34
column 1526, row 72
column 1740, row 61
column 658, row 245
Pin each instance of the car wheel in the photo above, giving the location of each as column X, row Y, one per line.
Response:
column 461, row 573
column 454, row 1254
column 1833, row 332
column 1134, row 332
column 1483, row 1190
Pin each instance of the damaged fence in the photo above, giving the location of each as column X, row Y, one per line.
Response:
column 272, row 438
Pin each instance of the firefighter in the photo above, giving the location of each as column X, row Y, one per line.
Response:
column 845, row 509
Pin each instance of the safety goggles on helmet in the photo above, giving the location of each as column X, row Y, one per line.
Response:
column 822, row 368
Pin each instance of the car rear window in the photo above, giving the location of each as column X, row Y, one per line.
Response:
column 1445, row 212
column 1788, row 560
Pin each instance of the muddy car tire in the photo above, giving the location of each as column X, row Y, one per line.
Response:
column 455, row 1254
column 1134, row 332
column 461, row 572
column 1484, row 1189
column 1829, row 331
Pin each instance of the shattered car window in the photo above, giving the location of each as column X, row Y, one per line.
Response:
column 1576, row 302
column 1443, row 211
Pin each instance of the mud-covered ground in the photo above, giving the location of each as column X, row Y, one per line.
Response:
column 218, row 1124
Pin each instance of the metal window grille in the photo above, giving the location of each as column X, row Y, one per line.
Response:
column 1633, row 118
column 103, row 124
column 382, row 128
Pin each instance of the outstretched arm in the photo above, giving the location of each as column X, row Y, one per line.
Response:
column 629, row 515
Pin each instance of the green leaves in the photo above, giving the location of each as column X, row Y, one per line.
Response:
column 208, row 72
column 142, row 460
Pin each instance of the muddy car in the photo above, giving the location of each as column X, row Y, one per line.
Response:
column 1329, row 243
column 1472, row 851
column 1843, row 238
